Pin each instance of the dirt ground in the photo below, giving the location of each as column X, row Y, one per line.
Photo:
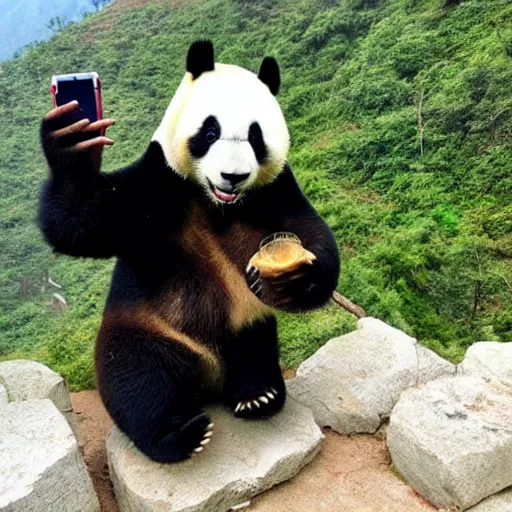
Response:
column 93, row 424
column 351, row 473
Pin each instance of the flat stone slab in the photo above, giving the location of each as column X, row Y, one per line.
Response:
column 40, row 465
column 501, row 502
column 488, row 359
column 452, row 439
column 26, row 380
column 352, row 383
column 244, row 459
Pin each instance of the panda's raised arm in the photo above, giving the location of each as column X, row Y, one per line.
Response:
column 82, row 214
column 82, row 211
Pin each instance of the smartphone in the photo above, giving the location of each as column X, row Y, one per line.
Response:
column 82, row 87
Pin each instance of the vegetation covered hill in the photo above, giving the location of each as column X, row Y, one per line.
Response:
column 400, row 113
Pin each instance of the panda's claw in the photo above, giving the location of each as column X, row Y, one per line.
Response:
column 263, row 404
column 252, row 271
column 210, row 426
column 206, row 439
column 255, row 285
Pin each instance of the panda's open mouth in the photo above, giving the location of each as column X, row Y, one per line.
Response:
column 223, row 196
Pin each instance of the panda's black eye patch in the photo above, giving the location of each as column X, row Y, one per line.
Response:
column 209, row 133
column 257, row 143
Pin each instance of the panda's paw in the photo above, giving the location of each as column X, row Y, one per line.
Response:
column 195, row 434
column 262, row 405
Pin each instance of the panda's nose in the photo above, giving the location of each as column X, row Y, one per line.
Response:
column 235, row 179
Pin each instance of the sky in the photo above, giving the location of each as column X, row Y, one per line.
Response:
column 25, row 21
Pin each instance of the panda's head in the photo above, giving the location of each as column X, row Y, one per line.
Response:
column 224, row 128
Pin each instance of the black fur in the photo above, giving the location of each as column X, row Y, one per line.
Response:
column 252, row 368
column 154, row 386
column 200, row 143
column 258, row 143
column 200, row 58
column 269, row 74
column 151, row 390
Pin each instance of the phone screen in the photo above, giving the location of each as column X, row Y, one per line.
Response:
column 81, row 90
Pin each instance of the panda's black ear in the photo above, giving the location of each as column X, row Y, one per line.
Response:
column 269, row 74
column 200, row 58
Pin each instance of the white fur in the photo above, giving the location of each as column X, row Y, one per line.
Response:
column 237, row 98
column 231, row 156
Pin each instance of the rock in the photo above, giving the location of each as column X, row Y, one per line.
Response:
column 243, row 459
column 488, row 359
column 4, row 398
column 431, row 366
column 452, row 439
column 352, row 382
column 501, row 502
column 27, row 380
column 40, row 463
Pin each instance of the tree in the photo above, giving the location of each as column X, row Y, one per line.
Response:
column 99, row 4
column 56, row 24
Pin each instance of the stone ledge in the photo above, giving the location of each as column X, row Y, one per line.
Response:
column 352, row 383
column 4, row 397
column 244, row 458
column 488, row 359
column 40, row 463
column 452, row 439
column 26, row 380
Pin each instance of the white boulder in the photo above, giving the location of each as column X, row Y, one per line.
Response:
column 243, row 459
column 4, row 397
column 501, row 502
column 488, row 359
column 452, row 439
column 352, row 382
column 27, row 380
column 41, row 469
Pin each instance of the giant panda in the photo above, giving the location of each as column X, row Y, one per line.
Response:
column 187, row 320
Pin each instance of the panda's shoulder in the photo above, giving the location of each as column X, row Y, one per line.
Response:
column 151, row 176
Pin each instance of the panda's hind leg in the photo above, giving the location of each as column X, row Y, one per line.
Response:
column 254, row 386
column 149, row 383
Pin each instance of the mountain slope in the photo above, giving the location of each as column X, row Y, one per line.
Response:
column 400, row 117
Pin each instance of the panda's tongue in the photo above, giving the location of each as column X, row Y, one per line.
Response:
column 223, row 196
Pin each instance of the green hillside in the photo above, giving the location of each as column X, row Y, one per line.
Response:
column 400, row 113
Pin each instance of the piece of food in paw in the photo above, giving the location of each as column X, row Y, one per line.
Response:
column 280, row 253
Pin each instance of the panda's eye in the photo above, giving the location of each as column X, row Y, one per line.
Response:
column 211, row 135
